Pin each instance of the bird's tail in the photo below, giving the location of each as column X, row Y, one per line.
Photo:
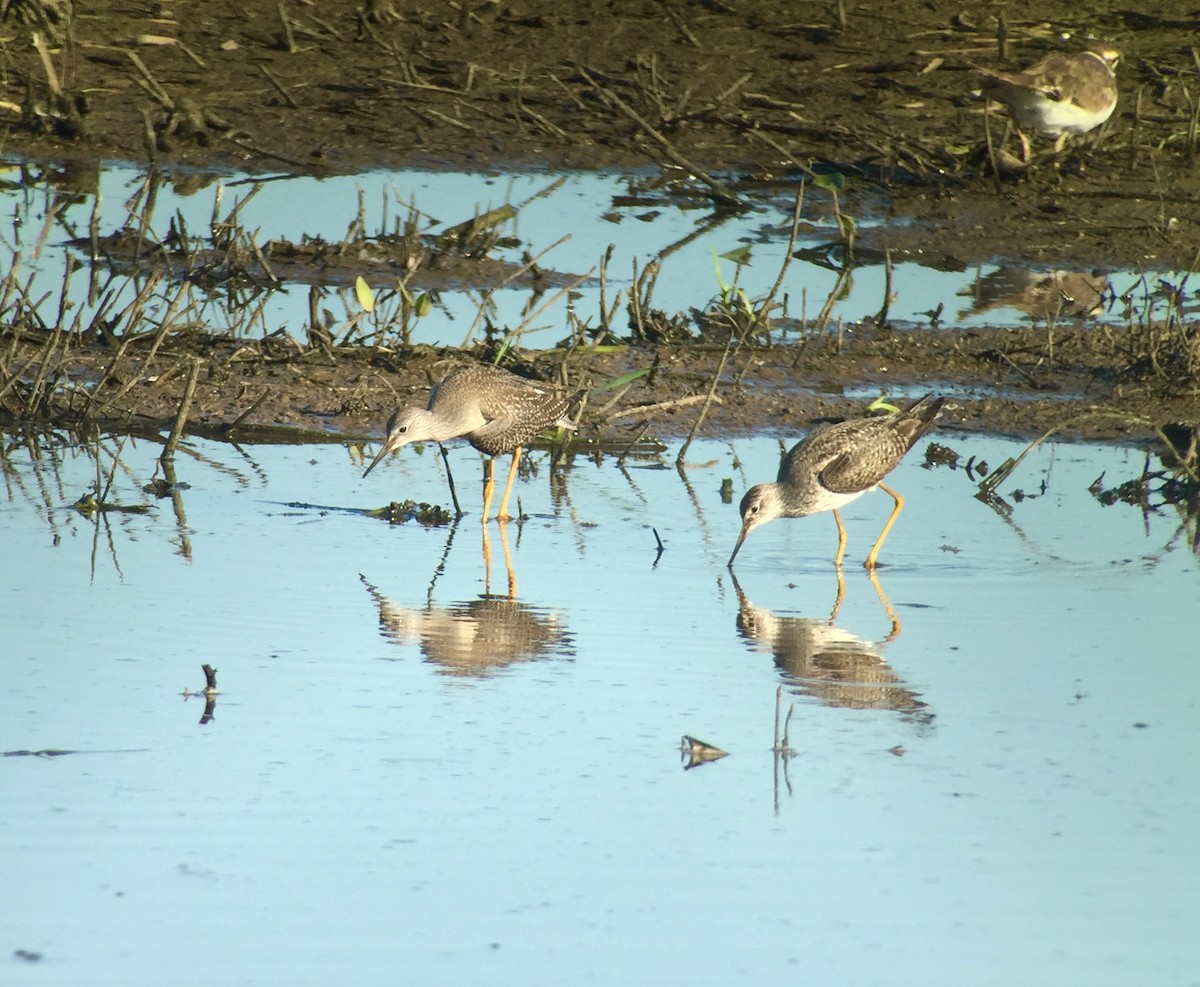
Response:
column 923, row 415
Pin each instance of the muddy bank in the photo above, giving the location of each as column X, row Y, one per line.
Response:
column 749, row 92
column 1002, row 381
column 723, row 98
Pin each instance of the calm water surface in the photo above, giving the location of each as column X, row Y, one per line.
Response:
column 403, row 781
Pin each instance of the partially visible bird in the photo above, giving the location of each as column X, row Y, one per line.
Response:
column 1063, row 94
column 496, row 411
column 835, row 464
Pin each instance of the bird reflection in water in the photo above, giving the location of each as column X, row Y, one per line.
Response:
column 819, row 659
column 1045, row 296
column 475, row 637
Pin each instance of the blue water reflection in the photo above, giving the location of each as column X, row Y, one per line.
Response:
column 566, row 221
column 359, row 807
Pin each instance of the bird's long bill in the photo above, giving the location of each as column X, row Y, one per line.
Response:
column 741, row 538
column 387, row 447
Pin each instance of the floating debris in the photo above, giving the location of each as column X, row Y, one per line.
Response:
column 696, row 752
column 402, row 511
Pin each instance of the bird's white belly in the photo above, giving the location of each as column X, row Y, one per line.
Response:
column 1034, row 111
column 828, row 500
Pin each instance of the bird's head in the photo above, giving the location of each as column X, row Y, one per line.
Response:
column 761, row 504
column 403, row 427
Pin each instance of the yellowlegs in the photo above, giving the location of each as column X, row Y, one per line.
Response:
column 835, row 464
column 496, row 411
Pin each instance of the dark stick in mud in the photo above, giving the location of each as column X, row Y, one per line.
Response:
column 226, row 429
column 185, row 406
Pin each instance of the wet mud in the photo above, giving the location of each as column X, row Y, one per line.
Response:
column 724, row 99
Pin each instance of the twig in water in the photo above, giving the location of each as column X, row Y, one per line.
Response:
column 781, row 742
column 882, row 317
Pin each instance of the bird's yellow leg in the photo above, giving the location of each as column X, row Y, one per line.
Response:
column 841, row 595
column 841, row 539
column 871, row 559
column 489, row 484
column 887, row 605
column 512, row 475
column 512, row 576
column 487, row 561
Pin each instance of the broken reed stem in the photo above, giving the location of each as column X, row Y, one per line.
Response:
column 131, row 314
column 1009, row 466
column 763, row 312
column 635, row 303
column 719, row 192
column 991, row 149
column 643, row 409
column 160, row 334
column 47, row 65
column 152, row 84
column 838, row 285
column 527, row 266
column 605, row 323
column 525, row 323
column 712, row 392
column 33, row 399
column 289, row 38
column 112, row 473
column 278, row 87
column 882, row 317
column 225, row 430
column 185, row 406
column 643, row 427
column 777, row 746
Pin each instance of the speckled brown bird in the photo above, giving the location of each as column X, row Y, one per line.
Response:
column 1063, row 94
column 835, row 464
column 496, row 411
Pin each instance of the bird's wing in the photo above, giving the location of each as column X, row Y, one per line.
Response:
column 861, row 452
column 531, row 402
column 1058, row 76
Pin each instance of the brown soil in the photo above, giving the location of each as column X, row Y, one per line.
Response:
column 749, row 92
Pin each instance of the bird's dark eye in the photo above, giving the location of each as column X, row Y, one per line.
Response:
column 753, row 508
column 402, row 429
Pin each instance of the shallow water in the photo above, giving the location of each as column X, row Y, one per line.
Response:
column 566, row 221
column 1006, row 786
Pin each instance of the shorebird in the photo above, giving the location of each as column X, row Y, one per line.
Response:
column 496, row 411
column 1063, row 94
column 835, row 464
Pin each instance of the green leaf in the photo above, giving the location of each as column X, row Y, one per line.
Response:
column 739, row 255
column 832, row 181
column 720, row 280
column 879, row 404
column 424, row 305
column 621, row 381
column 366, row 297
